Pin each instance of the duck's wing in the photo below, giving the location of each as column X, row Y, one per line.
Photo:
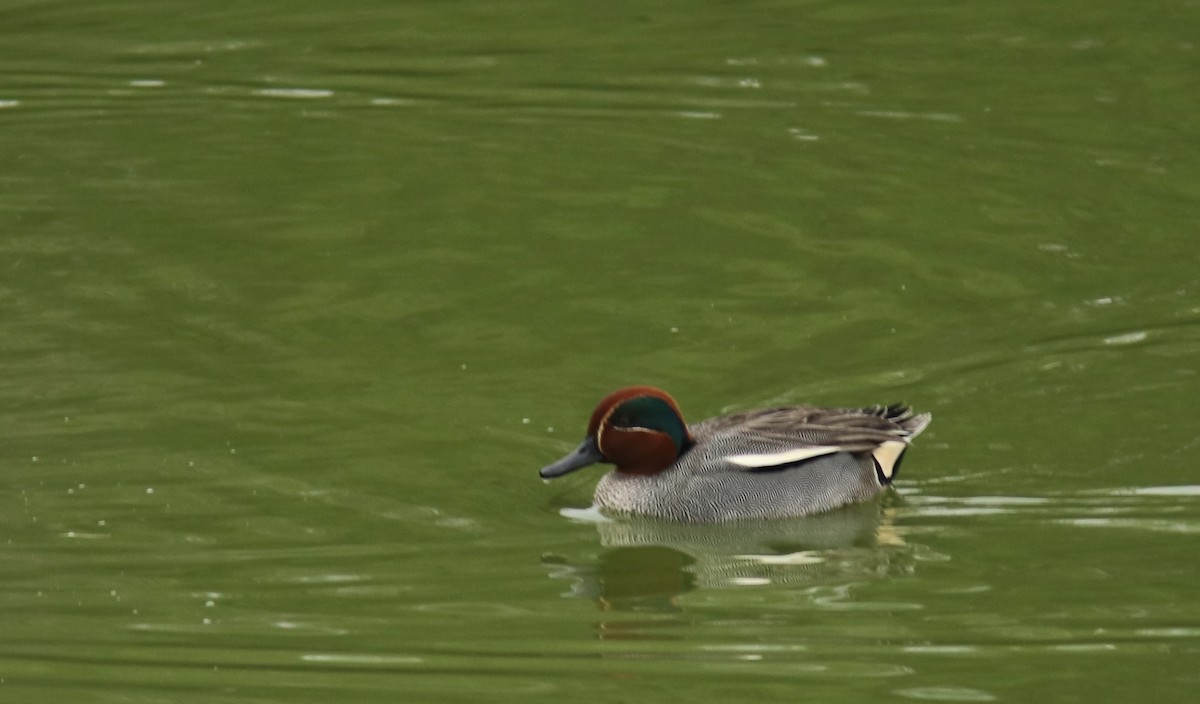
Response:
column 780, row 438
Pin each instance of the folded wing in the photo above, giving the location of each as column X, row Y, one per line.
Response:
column 781, row 438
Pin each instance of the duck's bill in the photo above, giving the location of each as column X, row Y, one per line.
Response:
column 587, row 453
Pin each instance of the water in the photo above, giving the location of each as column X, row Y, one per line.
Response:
column 295, row 300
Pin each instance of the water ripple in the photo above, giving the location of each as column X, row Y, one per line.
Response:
column 947, row 694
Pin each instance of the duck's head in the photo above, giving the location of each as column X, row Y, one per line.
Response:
column 639, row 429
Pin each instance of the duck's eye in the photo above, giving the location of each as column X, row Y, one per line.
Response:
column 621, row 420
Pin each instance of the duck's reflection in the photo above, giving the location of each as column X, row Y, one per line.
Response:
column 645, row 564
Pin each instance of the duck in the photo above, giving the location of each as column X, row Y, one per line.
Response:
column 766, row 463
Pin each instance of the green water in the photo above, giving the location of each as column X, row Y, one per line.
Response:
column 295, row 301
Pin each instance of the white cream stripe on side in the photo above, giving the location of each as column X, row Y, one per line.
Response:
column 786, row 457
column 886, row 455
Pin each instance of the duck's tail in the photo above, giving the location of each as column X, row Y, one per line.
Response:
column 911, row 424
column 887, row 456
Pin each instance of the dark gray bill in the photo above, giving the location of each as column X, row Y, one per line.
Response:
column 587, row 453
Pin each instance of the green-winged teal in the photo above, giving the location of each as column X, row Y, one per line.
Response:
column 767, row 463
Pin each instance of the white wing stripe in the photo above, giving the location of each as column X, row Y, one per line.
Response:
column 785, row 457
